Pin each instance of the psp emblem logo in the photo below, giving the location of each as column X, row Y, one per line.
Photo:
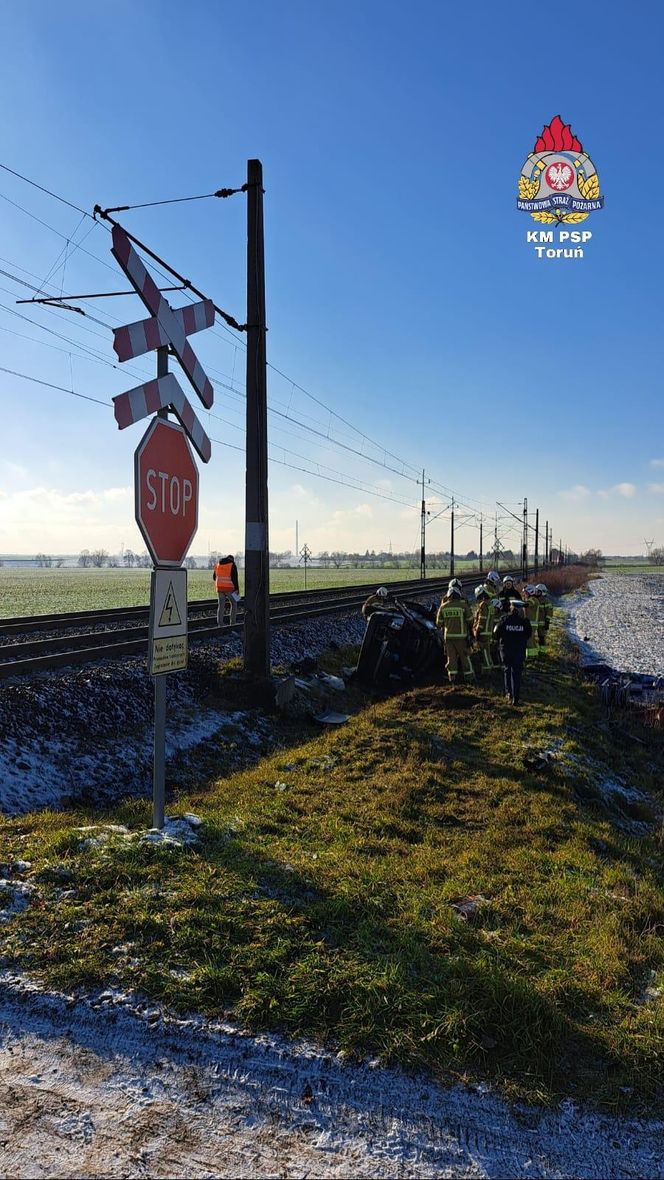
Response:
column 559, row 182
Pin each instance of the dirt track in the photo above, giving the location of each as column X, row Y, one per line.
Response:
column 92, row 1089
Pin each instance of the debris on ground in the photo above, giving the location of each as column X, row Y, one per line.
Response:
column 469, row 907
column 535, row 759
column 332, row 718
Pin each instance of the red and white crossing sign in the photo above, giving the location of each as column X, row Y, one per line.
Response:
column 146, row 335
column 170, row 324
column 166, row 490
column 165, row 327
column 143, row 400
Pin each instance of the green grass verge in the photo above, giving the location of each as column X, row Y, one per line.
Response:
column 325, row 906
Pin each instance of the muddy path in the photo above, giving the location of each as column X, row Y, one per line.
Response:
column 103, row 1087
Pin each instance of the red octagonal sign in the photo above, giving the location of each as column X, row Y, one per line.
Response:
column 166, row 488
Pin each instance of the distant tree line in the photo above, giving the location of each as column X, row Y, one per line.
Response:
column 96, row 558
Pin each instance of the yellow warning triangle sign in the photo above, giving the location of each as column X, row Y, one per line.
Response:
column 170, row 615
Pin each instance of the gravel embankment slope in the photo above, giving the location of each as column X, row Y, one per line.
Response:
column 84, row 735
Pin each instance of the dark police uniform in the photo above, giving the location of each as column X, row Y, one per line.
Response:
column 512, row 634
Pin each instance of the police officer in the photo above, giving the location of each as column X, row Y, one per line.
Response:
column 513, row 633
column 376, row 601
column 227, row 585
column 455, row 618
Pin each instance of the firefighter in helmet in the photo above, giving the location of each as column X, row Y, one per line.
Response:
column 455, row 619
column 492, row 583
column 483, row 623
column 379, row 600
column 507, row 592
column 546, row 612
column 532, row 603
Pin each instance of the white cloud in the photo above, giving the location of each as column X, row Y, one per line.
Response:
column 113, row 495
column 603, row 494
column 625, row 489
column 297, row 489
column 578, row 492
column 76, row 498
column 59, row 521
column 657, row 462
column 657, row 488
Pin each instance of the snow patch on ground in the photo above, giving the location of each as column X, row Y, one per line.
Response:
column 114, row 1086
column 32, row 777
column 85, row 735
column 620, row 622
column 14, row 898
column 177, row 831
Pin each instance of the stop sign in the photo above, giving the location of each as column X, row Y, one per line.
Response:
column 166, row 489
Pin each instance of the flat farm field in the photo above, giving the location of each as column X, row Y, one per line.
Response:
column 53, row 591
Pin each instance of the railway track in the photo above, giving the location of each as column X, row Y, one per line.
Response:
column 126, row 629
column 24, row 624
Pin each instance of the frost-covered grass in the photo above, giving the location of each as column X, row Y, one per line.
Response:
column 404, row 887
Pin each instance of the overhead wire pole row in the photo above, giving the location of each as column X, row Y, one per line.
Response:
column 190, row 290
column 303, row 425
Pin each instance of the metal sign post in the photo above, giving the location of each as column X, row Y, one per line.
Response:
column 167, row 638
column 166, row 477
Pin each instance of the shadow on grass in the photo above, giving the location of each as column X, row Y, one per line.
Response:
column 289, row 955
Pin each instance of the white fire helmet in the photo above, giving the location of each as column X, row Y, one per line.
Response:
column 381, row 592
column 493, row 578
column 541, row 588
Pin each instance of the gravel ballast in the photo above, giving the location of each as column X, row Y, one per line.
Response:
column 84, row 735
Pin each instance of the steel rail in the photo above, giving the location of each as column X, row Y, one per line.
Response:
column 21, row 623
column 45, row 655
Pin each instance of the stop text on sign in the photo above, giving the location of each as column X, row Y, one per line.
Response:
column 168, row 492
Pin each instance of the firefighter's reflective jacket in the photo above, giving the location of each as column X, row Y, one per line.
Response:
column 455, row 617
column 533, row 607
column 485, row 618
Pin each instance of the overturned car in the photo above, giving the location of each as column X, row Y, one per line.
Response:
column 400, row 643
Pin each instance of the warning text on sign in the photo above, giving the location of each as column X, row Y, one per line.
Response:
column 168, row 655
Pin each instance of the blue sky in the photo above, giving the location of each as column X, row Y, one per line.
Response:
column 401, row 291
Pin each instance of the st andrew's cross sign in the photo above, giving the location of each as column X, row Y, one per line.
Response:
column 166, row 327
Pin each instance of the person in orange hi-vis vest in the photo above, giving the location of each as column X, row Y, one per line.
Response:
column 226, row 581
